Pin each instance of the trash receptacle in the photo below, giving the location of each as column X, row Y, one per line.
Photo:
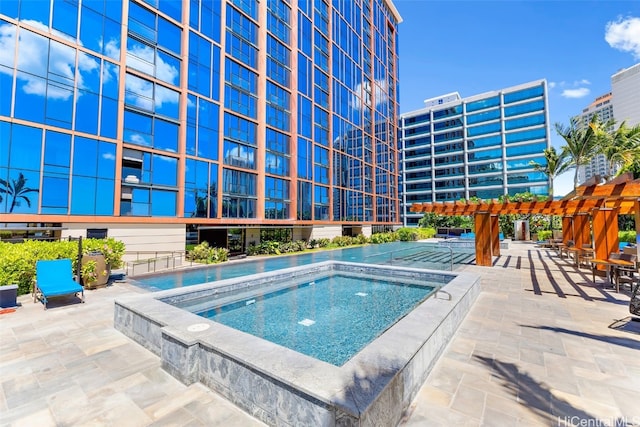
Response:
column 8, row 295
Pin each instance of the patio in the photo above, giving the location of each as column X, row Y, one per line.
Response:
column 536, row 349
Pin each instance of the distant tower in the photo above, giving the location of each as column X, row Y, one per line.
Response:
column 603, row 107
column 625, row 87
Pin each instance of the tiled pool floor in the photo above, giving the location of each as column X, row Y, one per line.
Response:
column 535, row 348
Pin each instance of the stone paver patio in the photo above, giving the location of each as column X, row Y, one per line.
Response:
column 541, row 346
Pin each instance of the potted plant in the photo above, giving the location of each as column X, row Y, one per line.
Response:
column 93, row 271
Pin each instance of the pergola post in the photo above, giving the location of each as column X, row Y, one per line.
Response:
column 581, row 230
column 495, row 235
column 605, row 233
column 636, row 206
column 483, row 238
column 567, row 229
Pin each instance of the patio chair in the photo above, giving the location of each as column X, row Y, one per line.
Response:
column 53, row 279
column 634, row 302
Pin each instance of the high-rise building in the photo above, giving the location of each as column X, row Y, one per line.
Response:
column 457, row 148
column 625, row 87
column 603, row 107
column 622, row 104
column 152, row 120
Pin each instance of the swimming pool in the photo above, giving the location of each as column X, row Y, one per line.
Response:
column 281, row 386
column 329, row 317
column 415, row 254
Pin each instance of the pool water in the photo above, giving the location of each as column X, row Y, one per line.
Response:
column 330, row 318
column 415, row 254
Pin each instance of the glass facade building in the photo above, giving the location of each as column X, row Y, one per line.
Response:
column 199, row 113
column 479, row 146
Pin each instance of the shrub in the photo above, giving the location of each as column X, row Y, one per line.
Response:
column 361, row 239
column 406, row 234
column 627, row 236
column 384, row 238
column 313, row 243
column 323, row 242
column 544, row 234
column 205, row 254
column 342, row 241
column 426, row 232
column 18, row 260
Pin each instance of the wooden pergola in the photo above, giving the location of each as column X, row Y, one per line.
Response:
column 591, row 207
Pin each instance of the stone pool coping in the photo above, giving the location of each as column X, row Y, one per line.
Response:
column 280, row 386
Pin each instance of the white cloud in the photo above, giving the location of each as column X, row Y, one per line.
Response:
column 582, row 82
column 624, row 35
column 38, row 56
column 108, row 156
column 580, row 92
column 552, row 85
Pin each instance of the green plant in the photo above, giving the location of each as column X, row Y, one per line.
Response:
column 426, row 232
column 112, row 249
column 383, row 238
column 89, row 272
column 544, row 234
column 361, row 239
column 627, row 236
column 407, row 234
column 324, row 242
column 206, row 254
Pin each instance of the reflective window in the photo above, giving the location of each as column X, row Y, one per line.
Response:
column 483, row 103
column 526, row 149
column 240, row 101
column 240, row 155
column 200, row 196
column 523, row 108
column 239, row 129
column 305, row 202
column 93, row 181
column 173, row 8
column 523, row 94
column 305, row 165
column 538, row 119
column 147, row 25
column 320, row 202
column 100, row 27
column 482, row 168
column 528, row 177
column 485, row 181
column 276, row 195
column 146, row 95
column 526, row 135
column 65, row 17
column 483, row 117
column 484, row 142
column 152, row 61
column 484, row 129
column 525, row 163
column 475, row 156
column 204, row 15
column 200, row 65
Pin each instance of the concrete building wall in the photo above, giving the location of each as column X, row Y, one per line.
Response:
column 145, row 239
column 328, row 232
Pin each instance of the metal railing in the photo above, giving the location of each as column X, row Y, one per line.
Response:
column 153, row 261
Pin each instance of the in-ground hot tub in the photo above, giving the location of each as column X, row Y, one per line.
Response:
column 371, row 385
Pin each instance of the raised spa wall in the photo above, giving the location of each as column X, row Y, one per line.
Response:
column 282, row 387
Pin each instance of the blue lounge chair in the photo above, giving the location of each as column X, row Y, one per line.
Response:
column 54, row 278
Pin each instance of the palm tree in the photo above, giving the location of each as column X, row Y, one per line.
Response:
column 620, row 146
column 556, row 165
column 17, row 189
column 581, row 145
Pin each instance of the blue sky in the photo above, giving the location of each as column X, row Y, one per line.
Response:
column 472, row 47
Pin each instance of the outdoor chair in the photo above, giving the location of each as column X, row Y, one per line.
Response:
column 55, row 278
column 627, row 275
column 634, row 302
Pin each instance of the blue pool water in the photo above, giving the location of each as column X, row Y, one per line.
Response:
column 330, row 318
column 414, row 254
